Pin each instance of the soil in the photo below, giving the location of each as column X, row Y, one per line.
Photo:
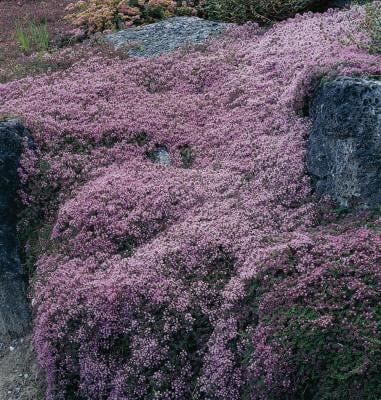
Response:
column 13, row 62
column 19, row 373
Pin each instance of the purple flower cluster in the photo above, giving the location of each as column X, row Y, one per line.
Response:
column 205, row 279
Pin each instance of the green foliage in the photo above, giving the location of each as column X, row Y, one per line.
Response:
column 141, row 138
column 40, row 36
column 23, row 38
column 34, row 229
column 372, row 25
column 186, row 155
column 240, row 11
column 32, row 36
column 321, row 352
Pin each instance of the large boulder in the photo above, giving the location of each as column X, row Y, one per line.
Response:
column 344, row 146
column 165, row 36
column 14, row 312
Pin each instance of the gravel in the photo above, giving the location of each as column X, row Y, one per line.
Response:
column 20, row 377
column 165, row 36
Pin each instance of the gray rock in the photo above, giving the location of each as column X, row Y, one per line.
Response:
column 14, row 312
column 344, row 146
column 327, row 4
column 160, row 156
column 165, row 36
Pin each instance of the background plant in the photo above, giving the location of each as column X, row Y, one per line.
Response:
column 23, row 39
column 32, row 35
column 371, row 24
column 40, row 35
column 99, row 15
column 255, row 10
column 16, row 63
column 366, row 34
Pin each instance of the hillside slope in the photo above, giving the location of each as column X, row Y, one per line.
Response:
column 213, row 277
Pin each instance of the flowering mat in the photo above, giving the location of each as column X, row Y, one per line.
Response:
column 215, row 277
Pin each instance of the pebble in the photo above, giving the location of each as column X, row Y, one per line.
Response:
column 161, row 156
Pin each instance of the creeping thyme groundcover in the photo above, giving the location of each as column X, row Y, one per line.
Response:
column 211, row 278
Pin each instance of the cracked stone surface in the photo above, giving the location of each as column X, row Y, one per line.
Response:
column 344, row 146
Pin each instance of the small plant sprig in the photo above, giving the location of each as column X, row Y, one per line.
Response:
column 32, row 35
column 23, row 38
column 40, row 35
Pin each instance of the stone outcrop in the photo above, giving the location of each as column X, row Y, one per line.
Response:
column 344, row 146
column 14, row 312
column 165, row 36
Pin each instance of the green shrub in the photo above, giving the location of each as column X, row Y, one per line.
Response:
column 255, row 10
